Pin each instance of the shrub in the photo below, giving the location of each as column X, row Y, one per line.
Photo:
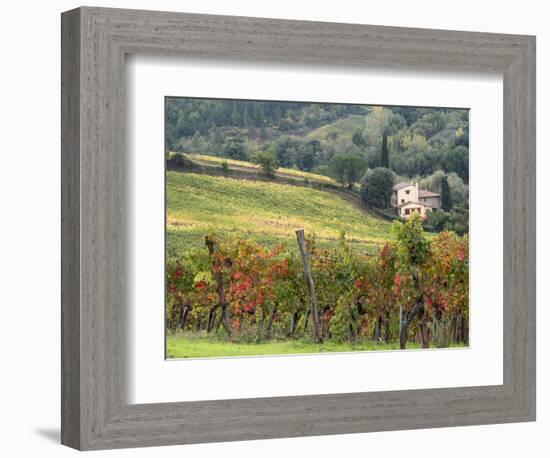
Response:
column 180, row 160
column 225, row 167
column 267, row 161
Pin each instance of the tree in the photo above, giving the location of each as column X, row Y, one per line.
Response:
column 456, row 160
column 306, row 158
column 267, row 161
column 347, row 168
column 356, row 166
column 315, row 146
column 459, row 190
column 286, row 148
column 462, row 136
column 384, row 153
column 430, row 124
column 321, row 170
column 337, row 168
column 377, row 122
column 358, row 139
column 459, row 221
column 235, row 113
column 234, row 148
column 446, row 201
column 376, row 187
column 419, row 140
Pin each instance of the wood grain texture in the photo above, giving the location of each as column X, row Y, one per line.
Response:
column 70, row 229
column 95, row 412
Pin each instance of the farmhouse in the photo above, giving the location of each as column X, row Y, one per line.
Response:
column 407, row 199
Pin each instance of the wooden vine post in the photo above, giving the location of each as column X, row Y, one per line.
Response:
column 217, row 271
column 317, row 335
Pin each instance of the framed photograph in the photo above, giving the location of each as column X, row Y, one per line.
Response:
column 245, row 177
column 278, row 228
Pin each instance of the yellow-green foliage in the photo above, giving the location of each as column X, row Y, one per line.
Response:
column 343, row 128
column 263, row 211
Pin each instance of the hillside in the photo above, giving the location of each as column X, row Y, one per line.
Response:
column 264, row 211
column 308, row 136
column 249, row 167
column 342, row 127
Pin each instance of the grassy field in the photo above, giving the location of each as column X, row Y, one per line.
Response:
column 204, row 159
column 193, row 346
column 263, row 211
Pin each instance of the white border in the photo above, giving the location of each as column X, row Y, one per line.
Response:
column 152, row 379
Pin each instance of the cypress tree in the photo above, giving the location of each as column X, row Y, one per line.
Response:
column 385, row 155
column 446, row 202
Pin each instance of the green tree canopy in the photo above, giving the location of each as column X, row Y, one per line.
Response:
column 456, row 160
column 347, row 168
column 234, row 148
column 376, row 187
column 459, row 190
column 384, row 153
column 286, row 148
column 446, row 201
column 358, row 139
column 267, row 161
column 306, row 157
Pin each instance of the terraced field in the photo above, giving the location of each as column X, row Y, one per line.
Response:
column 267, row 212
column 203, row 159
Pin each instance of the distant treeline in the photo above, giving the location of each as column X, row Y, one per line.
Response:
column 187, row 116
column 306, row 136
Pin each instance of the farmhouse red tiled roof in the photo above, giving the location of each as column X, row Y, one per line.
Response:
column 401, row 186
column 424, row 193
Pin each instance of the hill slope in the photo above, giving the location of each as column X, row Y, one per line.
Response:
column 246, row 166
column 267, row 212
column 344, row 127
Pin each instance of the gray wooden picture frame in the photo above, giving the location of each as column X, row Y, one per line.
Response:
column 95, row 412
